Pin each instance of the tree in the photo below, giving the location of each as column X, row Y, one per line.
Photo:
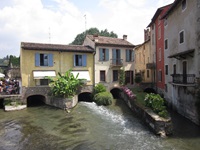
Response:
column 80, row 37
column 15, row 61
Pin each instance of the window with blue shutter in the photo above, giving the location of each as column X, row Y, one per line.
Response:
column 127, row 55
column 43, row 60
column 114, row 56
column 133, row 55
column 103, row 54
column 80, row 60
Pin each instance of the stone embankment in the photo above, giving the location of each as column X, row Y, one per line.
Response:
column 160, row 126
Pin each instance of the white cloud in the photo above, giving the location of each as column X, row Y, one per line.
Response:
column 33, row 20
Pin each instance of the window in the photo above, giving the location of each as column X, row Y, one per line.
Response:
column 166, row 44
column 103, row 54
column 44, row 82
column 166, row 69
column 43, row 60
column 80, row 60
column 160, row 75
column 183, row 5
column 166, row 88
column 159, row 32
column 129, row 55
column 159, row 54
column 147, row 73
column 181, row 37
column 115, row 75
column 165, row 22
column 152, row 39
column 102, row 75
column 174, row 69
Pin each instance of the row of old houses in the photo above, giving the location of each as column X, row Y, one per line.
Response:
column 167, row 61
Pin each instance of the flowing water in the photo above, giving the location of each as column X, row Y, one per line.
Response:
column 89, row 127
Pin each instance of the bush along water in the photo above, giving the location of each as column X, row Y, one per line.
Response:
column 128, row 92
column 100, row 96
column 156, row 103
column 103, row 98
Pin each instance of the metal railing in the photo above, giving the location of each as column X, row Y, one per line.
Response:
column 116, row 62
column 183, row 79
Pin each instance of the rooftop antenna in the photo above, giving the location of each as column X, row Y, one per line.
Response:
column 85, row 23
column 49, row 35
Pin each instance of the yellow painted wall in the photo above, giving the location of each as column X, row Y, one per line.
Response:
column 142, row 57
column 63, row 61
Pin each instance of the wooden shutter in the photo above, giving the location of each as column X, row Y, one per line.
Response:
column 107, row 54
column 100, row 54
column 114, row 59
column 50, row 60
column 127, row 55
column 37, row 59
column 74, row 60
column 133, row 55
column 84, row 60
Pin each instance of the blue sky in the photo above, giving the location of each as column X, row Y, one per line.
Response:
column 59, row 21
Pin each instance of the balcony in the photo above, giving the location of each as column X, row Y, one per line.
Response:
column 183, row 79
column 116, row 62
column 150, row 65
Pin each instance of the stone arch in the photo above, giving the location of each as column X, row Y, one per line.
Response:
column 115, row 92
column 150, row 90
column 85, row 96
column 35, row 100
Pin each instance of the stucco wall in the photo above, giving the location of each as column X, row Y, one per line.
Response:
column 62, row 61
column 183, row 98
column 106, row 65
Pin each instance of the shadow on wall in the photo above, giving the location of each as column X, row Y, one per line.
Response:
column 115, row 93
column 35, row 100
column 1, row 103
column 85, row 97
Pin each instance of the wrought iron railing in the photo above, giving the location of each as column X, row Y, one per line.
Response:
column 116, row 62
column 183, row 79
column 150, row 65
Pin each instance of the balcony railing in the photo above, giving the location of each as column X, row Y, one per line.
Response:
column 116, row 62
column 183, row 79
column 150, row 65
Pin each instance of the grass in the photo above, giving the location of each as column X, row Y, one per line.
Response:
column 138, row 91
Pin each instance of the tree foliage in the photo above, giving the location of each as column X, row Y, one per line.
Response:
column 15, row 61
column 80, row 37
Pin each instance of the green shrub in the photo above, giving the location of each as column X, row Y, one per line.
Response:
column 103, row 98
column 156, row 103
column 99, row 88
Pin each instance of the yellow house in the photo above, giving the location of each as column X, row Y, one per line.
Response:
column 143, row 62
column 39, row 60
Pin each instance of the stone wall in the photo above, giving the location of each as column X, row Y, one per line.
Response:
column 159, row 125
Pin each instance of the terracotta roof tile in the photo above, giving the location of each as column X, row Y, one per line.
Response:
column 101, row 40
column 55, row 47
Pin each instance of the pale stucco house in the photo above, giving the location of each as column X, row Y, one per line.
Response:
column 111, row 55
column 182, row 56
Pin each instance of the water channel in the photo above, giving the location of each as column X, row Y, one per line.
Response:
column 89, row 127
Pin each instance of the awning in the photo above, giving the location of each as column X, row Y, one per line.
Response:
column 82, row 75
column 43, row 74
column 2, row 75
column 183, row 55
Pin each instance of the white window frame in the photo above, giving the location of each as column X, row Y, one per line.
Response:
column 159, row 54
column 159, row 32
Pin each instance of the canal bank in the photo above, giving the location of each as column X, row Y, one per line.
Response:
column 89, row 126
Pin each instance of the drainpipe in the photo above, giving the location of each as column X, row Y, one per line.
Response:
column 94, row 66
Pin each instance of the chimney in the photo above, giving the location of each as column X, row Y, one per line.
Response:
column 95, row 36
column 124, row 37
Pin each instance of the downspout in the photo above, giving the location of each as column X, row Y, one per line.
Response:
column 94, row 53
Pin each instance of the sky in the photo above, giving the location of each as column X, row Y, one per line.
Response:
column 59, row 21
